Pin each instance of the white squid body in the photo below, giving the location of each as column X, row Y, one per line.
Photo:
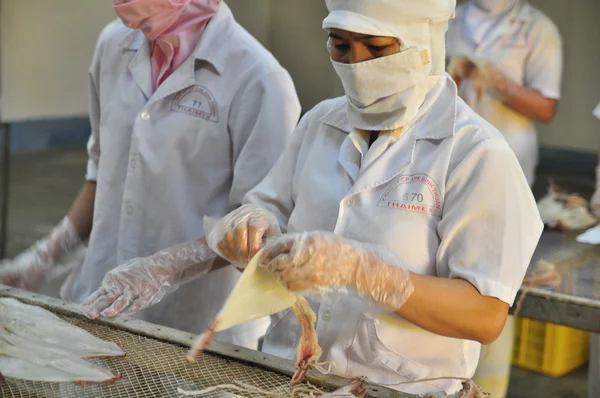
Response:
column 37, row 345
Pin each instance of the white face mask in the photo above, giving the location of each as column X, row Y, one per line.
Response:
column 494, row 7
column 385, row 93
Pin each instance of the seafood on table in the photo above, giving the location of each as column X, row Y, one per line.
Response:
column 565, row 211
column 37, row 345
column 257, row 294
column 356, row 388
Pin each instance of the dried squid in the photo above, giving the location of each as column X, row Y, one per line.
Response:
column 37, row 345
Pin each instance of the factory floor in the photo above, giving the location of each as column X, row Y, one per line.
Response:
column 43, row 186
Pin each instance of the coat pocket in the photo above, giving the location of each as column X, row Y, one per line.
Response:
column 393, row 354
column 282, row 335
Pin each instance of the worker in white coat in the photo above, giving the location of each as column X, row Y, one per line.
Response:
column 594, row 371
column 506, row 58
column 398, row 198
column 188, row 112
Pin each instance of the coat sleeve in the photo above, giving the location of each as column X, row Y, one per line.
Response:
column 261, row 119
column 276, row 192
column 93, row 144
column 544, row 65
column 490, row 225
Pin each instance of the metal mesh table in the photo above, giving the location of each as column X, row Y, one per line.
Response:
column 576, row 302
column 155, row 363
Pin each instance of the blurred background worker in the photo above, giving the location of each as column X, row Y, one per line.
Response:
column 188, row 112
column 506, row 57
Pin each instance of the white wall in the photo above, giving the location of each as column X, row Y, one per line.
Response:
column 291, row 29
column 574, row 126
column 255, row 16
column 46, row 47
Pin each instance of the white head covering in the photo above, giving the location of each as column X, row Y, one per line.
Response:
column 416, row 23
column 597, row 111
column 386, row 93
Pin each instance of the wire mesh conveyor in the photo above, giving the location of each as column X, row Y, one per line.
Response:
column 155, row 364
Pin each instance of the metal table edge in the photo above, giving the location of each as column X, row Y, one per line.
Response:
column 255, row 358
column 561, row 309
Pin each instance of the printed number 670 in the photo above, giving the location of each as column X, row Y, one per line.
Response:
column 413, row 196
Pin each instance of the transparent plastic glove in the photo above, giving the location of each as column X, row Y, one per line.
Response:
column 143, row 282
column 460, row 67
column 322, row 262
column 491, row 79
column 30, row 269
column 242, row 233
column 595, row 202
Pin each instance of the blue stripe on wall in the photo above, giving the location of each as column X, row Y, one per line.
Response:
column 36, row 135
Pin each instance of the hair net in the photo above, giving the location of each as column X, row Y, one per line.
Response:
column 416, row 23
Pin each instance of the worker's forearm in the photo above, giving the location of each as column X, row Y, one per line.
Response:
column 454, row 308
column 529, row 103
column 211, row 262
column 81, row 213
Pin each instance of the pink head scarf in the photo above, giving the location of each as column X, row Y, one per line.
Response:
column 173, row 26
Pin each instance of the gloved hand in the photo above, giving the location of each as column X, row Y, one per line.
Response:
column 460, row 67
column 241, row 234
column 487, row 77
column 595, row 202
column 143, row 282
column 30, row 269
column 322, row 262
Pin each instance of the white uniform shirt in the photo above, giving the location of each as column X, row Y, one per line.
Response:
column 526, row 46
column 163, row 160
column 447, row 197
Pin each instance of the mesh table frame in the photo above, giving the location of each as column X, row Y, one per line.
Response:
column 155, row 363
column 576, row 302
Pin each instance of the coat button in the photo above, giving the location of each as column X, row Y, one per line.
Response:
column 326, row 315
column 133, row 164
column 349, row 203
column 129, row 209
column 145, row 115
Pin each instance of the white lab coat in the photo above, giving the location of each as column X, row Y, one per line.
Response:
column 163, row 160
column 469, row 214
column 526, row 47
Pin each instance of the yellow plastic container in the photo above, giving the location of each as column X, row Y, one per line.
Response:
column 550, row 349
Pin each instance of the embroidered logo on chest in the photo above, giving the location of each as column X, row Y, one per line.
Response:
column 418, row 193
column 196, row 101
column 518, row 38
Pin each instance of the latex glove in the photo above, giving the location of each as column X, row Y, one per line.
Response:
column 460, row 67
column 323, row 262
column 595, row 202
column 30, row 269
column 242, row 233
column 143, row 282
column 487, row 78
